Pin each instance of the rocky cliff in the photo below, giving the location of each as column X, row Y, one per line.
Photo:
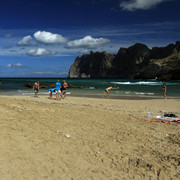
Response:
column 94, row 65
column 137, row 61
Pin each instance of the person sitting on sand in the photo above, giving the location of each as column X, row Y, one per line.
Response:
column 108, row 89
column 165, row 90
column 36, row 88
column 58, row 90
column 51, row 90
column 64, row 88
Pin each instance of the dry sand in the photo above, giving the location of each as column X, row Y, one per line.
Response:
column 86, row 138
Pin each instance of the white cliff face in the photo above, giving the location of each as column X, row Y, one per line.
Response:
column 83, row 75
column 74, row 71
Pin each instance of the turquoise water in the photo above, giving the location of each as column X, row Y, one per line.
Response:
column 127, row 87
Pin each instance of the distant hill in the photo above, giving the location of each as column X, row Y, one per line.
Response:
column 137, row 61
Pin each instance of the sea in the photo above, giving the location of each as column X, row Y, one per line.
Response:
column 127, row 88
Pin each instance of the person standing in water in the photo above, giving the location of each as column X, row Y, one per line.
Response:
column 165, row 90
column 36, row 88
column 108, row 89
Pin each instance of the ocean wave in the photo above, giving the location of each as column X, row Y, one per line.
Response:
column 150, row 93
column 142, row 93
column 150, row 83
column 138, row 83
column 91, row 87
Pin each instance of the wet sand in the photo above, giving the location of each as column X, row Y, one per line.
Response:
column 87, row 138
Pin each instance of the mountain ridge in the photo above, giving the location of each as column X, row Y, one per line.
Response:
column 136, row 61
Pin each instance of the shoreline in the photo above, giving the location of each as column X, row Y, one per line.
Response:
column 128, row 97
column 99, row 96
column 128, row 88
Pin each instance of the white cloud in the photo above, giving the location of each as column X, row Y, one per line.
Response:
column 87, row 42
column 40, row 52
column 49, row 38
column 132, row 5
column 15, row 65
column 25, row 41
column 84, row 51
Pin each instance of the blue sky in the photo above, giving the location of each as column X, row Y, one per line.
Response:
column 42, row 38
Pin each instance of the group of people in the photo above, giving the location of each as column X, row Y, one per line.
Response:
column 61, row 90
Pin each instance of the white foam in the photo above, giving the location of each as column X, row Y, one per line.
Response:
column 151, row 83
column 142, row 93
column 121, row 82
column 91, row 88
column 138, row 83
column 139, row 93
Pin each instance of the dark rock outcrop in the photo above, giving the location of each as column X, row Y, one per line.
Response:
column 94, row 65
column 137, row 61
column 50, row 85
column 129, row 61
column 164, row 63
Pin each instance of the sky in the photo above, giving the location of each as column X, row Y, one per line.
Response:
column 42, row 38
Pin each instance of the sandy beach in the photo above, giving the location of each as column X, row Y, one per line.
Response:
column 84, row 138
